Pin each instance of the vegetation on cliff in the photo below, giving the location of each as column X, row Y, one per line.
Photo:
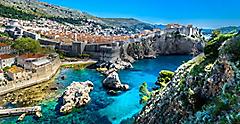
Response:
column 212, row 46
column 164, row 77
column 204, row 90
column 145, row 94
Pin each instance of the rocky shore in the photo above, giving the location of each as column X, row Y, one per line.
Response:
column 203, row 90
column 76, row 95
column 147, row 48
column 164, row 44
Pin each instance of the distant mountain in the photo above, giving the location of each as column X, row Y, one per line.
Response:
column 223, row 30
column 127, row 22
column 229, row 29
column 160, row 26
column 29, row 9
column 207, row 31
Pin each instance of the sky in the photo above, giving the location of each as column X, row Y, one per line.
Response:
column 200, row 13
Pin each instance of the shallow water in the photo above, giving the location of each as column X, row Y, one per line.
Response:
column 104, row 109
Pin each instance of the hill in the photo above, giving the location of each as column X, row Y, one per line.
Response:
column 32, row 9
column 223, row 30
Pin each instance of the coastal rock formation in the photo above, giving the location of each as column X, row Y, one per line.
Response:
column 76, row 95
column 107, row 68
column 141, row 49
column 164, row 44
column 203, row 90
column 120, row 65
column 174, row 43
column 112, row 82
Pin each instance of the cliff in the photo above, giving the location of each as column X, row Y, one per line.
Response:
column 206, row 89
column 164, row 44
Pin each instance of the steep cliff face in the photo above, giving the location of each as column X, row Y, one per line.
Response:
column 174, row 43
column 204, row 90
column 141, row 49
column 165, row 44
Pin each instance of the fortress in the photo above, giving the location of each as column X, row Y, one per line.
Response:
column 30, row 73
column 188, row 30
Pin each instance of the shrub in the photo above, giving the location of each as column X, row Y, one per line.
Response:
column 144, row 99
column 143, row 89
column 221, row 105
column 3, row 34
column 233, row 48
column 211, row 48
column 144, row 93
column 164, row 77
column 84, row 55
column 6, row 68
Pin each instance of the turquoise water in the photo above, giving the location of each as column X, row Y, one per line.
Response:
column 105, row 109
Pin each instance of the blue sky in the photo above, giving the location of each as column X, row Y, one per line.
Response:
column 201, row 13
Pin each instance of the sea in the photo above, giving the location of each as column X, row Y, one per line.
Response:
column 103, row 108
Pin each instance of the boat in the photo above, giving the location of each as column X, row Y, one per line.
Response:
column 22, row 117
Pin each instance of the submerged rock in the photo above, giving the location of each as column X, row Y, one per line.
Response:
column 76, row 95
column 63, row 77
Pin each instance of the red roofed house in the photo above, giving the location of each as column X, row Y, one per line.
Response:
column 32, row 61
column 6, row 60
column 5, row 48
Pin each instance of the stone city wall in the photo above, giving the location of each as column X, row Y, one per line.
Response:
column 33, row 78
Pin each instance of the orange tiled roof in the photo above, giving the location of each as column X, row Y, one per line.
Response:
column 6, row 56
column 31, row 55
column 3, row 45
column 68, row 37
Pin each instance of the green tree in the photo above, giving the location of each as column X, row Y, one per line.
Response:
column 2, row 34
column 215, row 33
column 23, row 45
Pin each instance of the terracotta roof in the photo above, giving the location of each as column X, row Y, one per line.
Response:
column 6, row 56
column 31, row 55
column 3, row 45
column 15, row 69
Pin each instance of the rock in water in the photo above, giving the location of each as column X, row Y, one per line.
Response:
column 112, row 82
column 76, row 95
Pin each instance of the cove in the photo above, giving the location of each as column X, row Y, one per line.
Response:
column 104, row 109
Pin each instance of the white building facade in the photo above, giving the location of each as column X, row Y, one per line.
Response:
column 6, row 60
